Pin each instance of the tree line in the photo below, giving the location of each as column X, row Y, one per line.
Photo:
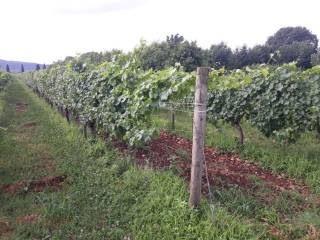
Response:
column 37, row 68
column 286, row 45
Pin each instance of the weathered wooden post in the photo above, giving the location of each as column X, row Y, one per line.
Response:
column 199, row 120
column 85, row 133
column 173, row 116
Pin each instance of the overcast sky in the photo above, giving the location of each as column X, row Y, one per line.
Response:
column 47, row 30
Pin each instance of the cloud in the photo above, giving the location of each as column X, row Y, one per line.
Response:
column 101, row 7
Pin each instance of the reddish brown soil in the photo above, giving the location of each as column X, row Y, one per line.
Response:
column 5, row 229
column 223, row 169
column 277, row 233
column 313, row 233
column 54, row 182
column 29, row 219
column 21, row 107
column 29, row 125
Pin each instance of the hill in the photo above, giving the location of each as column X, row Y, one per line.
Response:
column 15, row 66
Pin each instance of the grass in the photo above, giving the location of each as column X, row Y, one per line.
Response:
column 300, row 160
column 105, row 195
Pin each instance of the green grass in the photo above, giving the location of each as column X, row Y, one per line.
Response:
column 105, row 195
column 300, row 160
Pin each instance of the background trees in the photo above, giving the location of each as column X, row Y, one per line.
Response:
column 219, row 55
column 315, row 58
column 286, row 45
column 168, row 53
column 289, row 35
column 294, row 44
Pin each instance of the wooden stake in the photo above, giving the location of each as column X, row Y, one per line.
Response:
column 199, row 120
column 85, row 131
column 173, row 120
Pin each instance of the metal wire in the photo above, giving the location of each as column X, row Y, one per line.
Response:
column 176, row 107
column 209, row 187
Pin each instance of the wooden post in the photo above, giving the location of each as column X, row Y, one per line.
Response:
column 199, row 120
column 92, row 127
column 173, row 119
column 67, row 114
column 85, row 131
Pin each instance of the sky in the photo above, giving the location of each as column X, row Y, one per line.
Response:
column 44, row 31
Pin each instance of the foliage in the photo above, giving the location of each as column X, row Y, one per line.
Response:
column 219, row 55
column 282, row 105
column 4, row 80
column 260, row 54
column 294, row 44
column 286, row 45
column 174, row 50
column 315, row 58
column 117, row 96
column 289, row 35
column 297, row 51
column 231, row 96
column 283, row 102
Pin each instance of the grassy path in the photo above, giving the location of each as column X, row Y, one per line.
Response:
column 103, row 197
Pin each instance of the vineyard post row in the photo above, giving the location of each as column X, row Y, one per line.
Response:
column 199, row 121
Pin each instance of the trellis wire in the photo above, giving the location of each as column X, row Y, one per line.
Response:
column 189, row 108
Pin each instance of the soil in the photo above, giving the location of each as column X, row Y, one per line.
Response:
column 53, row 182
column 29, row 219
column 5, row 229
column 224, row 169
column 29, row 125
column 21, row 107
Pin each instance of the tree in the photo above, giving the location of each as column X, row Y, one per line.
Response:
column 7, row 68
column 22, row 68
column 294, row 44
column 188, row 54
column 174, row 50
column 219, row 55
column 241, row 57
column 289, row 35
column 37, row 67
column 44, row 66
column 155, row 56
column 298, row 51
column 260, row 54
column 315, row 58
column 91, row 57
column 174, row 40
column 109, row 55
